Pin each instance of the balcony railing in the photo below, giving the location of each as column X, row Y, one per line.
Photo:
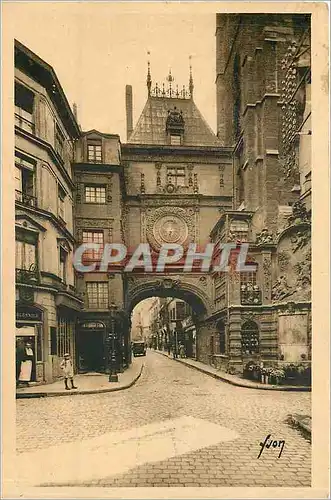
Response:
column 26, row 199
column 28, row 276
column 24, row 124
column 250, row 295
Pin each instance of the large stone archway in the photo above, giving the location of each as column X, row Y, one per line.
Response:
column 194, row 290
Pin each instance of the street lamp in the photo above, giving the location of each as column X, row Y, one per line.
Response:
column 113, row 376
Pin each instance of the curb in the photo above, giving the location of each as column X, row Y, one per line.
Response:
column 31, row 395
column 297, row 422
column 239, row 383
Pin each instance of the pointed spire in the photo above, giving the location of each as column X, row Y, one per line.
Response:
column 191, row 85
column 149, row 78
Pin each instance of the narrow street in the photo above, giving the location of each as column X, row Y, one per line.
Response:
column 175, row 399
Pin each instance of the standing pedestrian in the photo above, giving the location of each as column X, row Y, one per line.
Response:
column 68, row 370
column 182, row 351
column 20, row 355
column 26, row 364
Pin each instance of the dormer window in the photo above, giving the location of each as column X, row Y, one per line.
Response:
column 175, row 127
column 94, row 151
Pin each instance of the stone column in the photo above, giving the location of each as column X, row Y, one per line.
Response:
column 234, row 332
column 267, row 285
column 268, row 336
column 205, row 330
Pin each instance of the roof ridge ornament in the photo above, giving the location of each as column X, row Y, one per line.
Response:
column 191, row 85
column 149, row 78
column 168, row 90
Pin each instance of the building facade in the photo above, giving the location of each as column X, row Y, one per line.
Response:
column 177, row 176
column 47, row 303
column 264, row 115
column 174, row 181
column 98, row 179
column 263, row 111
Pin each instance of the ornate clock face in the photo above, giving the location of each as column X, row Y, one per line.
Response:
column 170, row 229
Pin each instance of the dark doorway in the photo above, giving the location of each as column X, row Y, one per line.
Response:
column 91, row 351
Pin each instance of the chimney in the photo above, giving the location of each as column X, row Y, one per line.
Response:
column 129, row 111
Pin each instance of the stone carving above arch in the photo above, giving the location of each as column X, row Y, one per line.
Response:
column 264, row 237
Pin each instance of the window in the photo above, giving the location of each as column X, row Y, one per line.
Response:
column 24, row 101
column 221, row 329
column 188, row 310
column 61, row 205
column 24, row 182
column 59, row 140
column 250, row 338
column 63, row 262
column 25, row 255
column 97, row 295
column 64, row 336
column 95, row 194
column 175, row 140
column 18, row 179
column 94, row 151
column 53, row 341
column 248, row 279
column 250, row 292
column 180, row 310
column 236, row 97
column 39, row 343
column 211, row 345
column 93, row 237
column 240, row 186
column 239, row 230
column 176, row 176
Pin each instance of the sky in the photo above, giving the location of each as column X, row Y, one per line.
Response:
column 96, row 49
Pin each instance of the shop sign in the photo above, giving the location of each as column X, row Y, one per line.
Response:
column 26, row 313
column 187, row 322
column 92, row 324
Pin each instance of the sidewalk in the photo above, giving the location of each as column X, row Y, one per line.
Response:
column 89, row 383
column 234, row 379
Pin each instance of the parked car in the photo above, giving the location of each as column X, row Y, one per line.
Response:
column 139, row 348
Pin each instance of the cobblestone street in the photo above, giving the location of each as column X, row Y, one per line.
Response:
column 166, row 391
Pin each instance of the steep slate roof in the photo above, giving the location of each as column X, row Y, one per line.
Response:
column 151, row 126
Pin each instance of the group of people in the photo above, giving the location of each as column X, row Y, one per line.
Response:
column 25, row 366
column 178, row 350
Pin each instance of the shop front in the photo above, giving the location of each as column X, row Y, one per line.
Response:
column 91, row 351
column 189, row 337
column 64, row 338
column 29, row 343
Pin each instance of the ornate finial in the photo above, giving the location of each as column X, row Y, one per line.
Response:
column 170, row 79
column 149, row 78
column 191, row 86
